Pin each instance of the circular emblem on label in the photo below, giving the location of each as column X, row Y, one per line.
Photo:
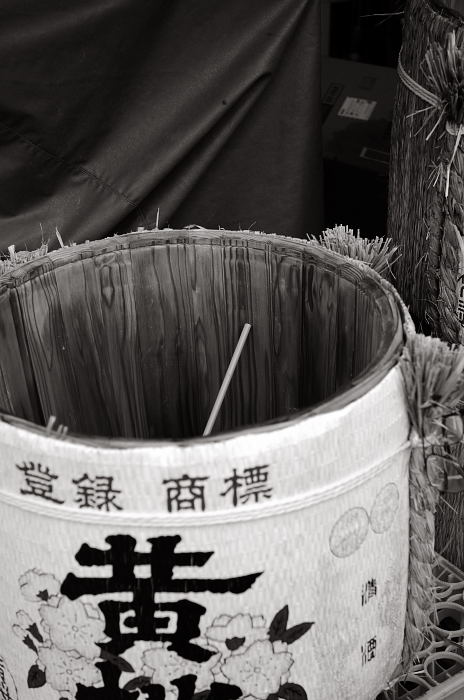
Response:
column 8, row 689
column 349, row 532
column 384, row 509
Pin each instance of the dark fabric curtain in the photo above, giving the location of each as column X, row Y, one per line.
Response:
column 113, row 109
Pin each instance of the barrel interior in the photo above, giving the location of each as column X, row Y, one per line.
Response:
column 131, row 337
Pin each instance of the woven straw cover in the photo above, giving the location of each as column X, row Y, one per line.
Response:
column 427, row 226
column 422, row 221
column 262, row 561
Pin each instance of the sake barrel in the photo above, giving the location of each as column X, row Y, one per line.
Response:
column 141, row 560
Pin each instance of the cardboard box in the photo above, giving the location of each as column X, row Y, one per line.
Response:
column 357, row 111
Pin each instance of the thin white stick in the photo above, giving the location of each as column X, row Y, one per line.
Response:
column 227, row 378
column 58, row 235
column 50, row 424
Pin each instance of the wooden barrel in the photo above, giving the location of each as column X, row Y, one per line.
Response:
column 142, row 560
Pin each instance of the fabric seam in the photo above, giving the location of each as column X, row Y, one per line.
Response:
column 90, row 175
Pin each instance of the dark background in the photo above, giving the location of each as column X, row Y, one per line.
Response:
column 366, row 30
column 362, row 32
column 112, row 111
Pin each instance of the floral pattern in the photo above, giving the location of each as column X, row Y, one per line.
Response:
column 67, row 638
column 63, row 671
column 230, row 635
column 261, row 670
column 72, row 627
column 36, row 586
column 163, row 665
column 64, row 639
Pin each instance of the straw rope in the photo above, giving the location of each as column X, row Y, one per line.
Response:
column 416, row 88
column 444, row 66
column 450, row 327
column 423, row 500
column 424, row 141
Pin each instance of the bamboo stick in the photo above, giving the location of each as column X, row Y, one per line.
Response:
column 227, row 378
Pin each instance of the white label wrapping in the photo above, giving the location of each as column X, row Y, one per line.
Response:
column 244, row 568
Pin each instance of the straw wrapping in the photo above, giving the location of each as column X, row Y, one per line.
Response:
column 427, row 226
column 443, row 72
column 434, row 387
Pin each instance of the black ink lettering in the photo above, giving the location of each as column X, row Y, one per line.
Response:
column 252, row 484
column 97, row 493
column 144, row 617
column 186, row 493
column 39, row 481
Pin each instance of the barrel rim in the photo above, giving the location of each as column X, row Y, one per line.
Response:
column 392, row 311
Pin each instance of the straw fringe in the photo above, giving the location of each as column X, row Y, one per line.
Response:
column 17, row 258
column 378, row 253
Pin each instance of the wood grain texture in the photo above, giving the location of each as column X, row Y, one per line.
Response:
column 287, row 330
column 18, row 394
column 346, row 332
column 364, row 318
column 319, row 332
column 239, row 311
column 51, row 358
column 79, row 295
column 165, row 320
column 210, row 332
column 257, row 357
column 120, row 341
column 130, row 337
